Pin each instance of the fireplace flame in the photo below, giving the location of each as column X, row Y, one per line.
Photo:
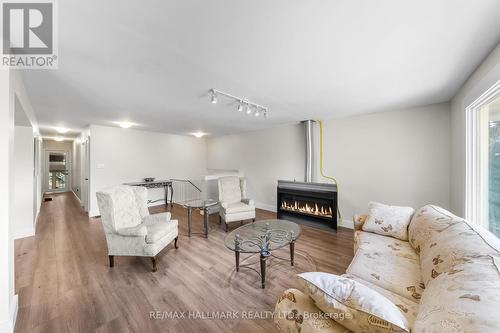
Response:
column 307, row 208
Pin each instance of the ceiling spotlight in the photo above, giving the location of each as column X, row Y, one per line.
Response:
column 62, row 130
column 243, row 103
column 265, row 114
column 59, row 138
column 199, row 134
column 125, row 124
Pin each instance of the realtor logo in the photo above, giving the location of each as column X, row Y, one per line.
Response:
column 28, row 34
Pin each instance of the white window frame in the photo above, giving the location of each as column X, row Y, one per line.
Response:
column 476, row 183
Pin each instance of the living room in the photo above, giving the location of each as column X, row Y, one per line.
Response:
column 253, row 166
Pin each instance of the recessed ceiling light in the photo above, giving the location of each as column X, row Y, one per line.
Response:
column 199, row 134
column 125, row 124
column 62, row 130
column 59, row 138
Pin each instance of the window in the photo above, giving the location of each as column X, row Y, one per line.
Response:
column 483, row 161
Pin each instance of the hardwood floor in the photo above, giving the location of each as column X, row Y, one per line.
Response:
column 65, row 285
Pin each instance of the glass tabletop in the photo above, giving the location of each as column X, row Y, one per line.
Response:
column 199, row 203
column 262, row 236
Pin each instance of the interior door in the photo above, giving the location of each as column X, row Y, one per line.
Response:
column 86, row 174
column 57, row 171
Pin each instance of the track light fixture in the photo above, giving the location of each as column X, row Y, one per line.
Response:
column 243, row 104
column 214, row 97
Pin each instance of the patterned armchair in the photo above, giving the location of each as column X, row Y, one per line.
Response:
column 235, row 206
column 130, row 229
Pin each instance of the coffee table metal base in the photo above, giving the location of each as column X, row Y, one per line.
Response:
column 263, row 260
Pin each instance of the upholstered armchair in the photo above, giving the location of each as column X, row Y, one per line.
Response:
column 130, row 229
column 235, row 206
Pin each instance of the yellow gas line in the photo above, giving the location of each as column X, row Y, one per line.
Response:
column 321, row 165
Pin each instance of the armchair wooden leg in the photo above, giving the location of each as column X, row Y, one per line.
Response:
column 111, row 261
column 153, row 259
column 253, row 220
column 226, row 226
column 175, row 242
column 220, row 219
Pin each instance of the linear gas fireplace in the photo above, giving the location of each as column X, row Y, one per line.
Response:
column 312, row 203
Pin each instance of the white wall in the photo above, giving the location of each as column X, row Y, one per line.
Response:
column 263, row 156
column 120, row 155
column 485, row 76
column 23, row 182
column 397, row 157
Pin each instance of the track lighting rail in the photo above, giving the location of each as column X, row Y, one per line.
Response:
column 251, row 107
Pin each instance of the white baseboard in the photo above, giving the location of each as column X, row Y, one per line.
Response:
column 26, row 232
column 8, row 325
column 264, row 206
column 346, row 224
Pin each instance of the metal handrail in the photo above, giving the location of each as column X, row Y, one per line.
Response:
column 187, row 181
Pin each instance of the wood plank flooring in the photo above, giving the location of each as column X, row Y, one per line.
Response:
column 65, row 285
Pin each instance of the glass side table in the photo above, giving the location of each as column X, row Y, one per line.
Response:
column 263, row 237
column 200, row 205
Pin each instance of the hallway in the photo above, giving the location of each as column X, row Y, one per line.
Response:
column 64, row 282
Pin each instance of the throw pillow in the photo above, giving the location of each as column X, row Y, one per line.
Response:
column 388, row 220
column 353, row 305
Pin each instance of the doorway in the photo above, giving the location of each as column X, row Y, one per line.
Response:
column 57, row 171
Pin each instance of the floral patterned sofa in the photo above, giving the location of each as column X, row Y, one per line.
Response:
column 446, row 278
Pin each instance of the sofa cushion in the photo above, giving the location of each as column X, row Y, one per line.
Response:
column 229, row 189
column 373, row 242
column 296, row 312
column 408, row 308
column 427, row 222
column 389, row 269
column 159, row 230
column 118, row 207
column 388, row 220
column 362, row 308
column 460, row 266
column 238, row 207
column 466, row 301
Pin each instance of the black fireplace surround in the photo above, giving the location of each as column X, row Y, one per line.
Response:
column 315, row 203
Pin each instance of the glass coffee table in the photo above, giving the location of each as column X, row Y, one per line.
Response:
column 263, row 237
column 201, row 205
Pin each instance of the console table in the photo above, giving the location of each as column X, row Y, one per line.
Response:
column 166, row 184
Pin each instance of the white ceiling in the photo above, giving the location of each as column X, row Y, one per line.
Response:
column 153, row 62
